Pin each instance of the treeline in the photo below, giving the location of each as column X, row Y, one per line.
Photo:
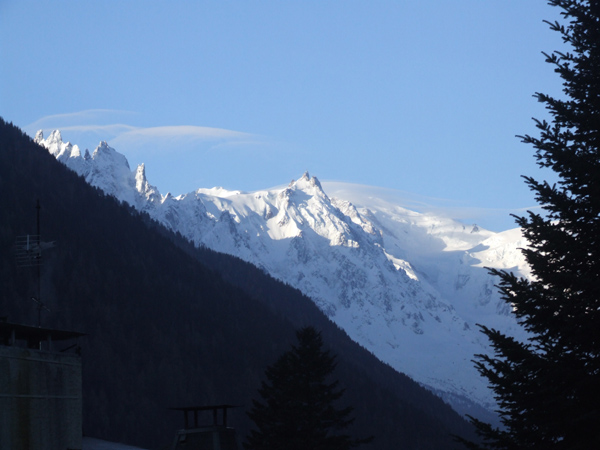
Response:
column 170, row 325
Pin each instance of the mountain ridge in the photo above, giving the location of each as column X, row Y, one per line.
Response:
column 407, row 286
column 164, row 327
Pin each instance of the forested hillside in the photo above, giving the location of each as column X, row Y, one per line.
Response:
column 170, row 325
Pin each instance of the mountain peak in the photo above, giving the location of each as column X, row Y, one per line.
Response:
column 55, row 145
column 103, row 146
column 308, row 183
column 106, row 155
column 140, row 177
column 39, row 137
column 313, row 181
column 143, row 187
column 55, row 136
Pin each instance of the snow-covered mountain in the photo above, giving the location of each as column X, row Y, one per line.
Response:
column 409, row 287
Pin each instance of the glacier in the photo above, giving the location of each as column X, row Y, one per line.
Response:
column 410, row 287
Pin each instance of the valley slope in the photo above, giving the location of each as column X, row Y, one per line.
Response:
column 168, row 324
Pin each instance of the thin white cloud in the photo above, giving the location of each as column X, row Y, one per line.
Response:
column 86, row 128
column 61, row 121
column 171, row 138
column 183, row 131
column 112, row 129
column 361, row 195
column 241, row 143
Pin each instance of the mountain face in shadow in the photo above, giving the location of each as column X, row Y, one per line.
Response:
column 171, row 325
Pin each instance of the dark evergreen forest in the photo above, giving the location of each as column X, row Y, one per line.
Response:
column 170, row 325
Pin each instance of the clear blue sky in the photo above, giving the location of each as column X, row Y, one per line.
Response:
column 421, row 96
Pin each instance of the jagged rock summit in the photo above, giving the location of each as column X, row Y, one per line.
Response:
column 105, row 168
column 409, row 287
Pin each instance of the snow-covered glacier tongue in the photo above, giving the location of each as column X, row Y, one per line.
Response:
column 409, row 287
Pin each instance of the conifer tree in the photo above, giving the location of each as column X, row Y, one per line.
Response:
column 297, row 411
column 548, row 387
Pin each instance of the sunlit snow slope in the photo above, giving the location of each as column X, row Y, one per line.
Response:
column 409, row 287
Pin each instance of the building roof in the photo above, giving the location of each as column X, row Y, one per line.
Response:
column 30, row 333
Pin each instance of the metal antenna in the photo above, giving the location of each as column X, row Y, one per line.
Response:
column 28, row 250
column 40, row 306
column 39, row 266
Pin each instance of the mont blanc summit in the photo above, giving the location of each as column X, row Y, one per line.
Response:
column 409, row 287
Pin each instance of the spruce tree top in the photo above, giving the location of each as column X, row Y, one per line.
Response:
column 565, row 252
column 298, row 410
column 548, row 388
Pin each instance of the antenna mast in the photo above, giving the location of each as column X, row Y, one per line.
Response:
column 29, row 254
column 39, row 266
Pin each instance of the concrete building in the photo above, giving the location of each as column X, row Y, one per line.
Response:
column 40, row 388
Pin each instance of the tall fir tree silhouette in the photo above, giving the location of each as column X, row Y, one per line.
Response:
column 548, row 387
column 298, row 411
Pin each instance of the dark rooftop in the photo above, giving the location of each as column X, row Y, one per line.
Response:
column 10, row 332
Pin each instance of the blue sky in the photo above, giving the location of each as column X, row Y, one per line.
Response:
column 425, row 96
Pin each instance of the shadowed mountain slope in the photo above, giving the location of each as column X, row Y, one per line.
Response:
column 164, row 327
